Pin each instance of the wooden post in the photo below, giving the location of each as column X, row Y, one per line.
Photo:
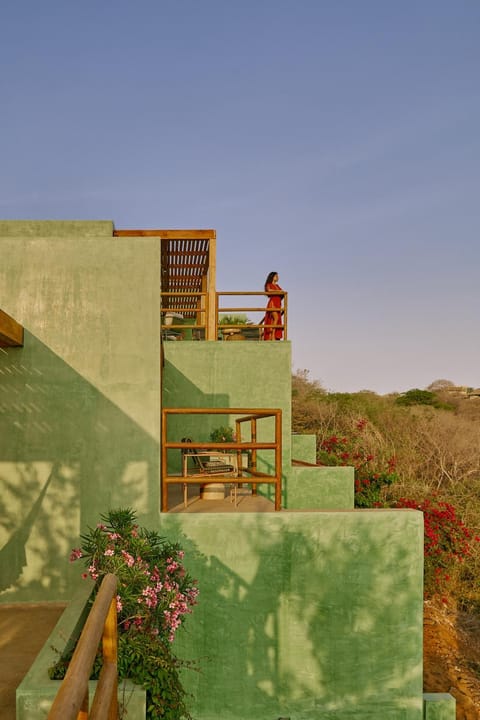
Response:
column 278, row 460
column 211, row 329
column 164, row 465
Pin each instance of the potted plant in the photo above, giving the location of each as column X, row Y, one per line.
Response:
column 223, row 433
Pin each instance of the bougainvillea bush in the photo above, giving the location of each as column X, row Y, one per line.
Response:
column 448, row 543
column 372, row 474
column 450, row 547
column 154, row 595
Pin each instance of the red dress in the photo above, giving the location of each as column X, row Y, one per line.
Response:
column 273, row 316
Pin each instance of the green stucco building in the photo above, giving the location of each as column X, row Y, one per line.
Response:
column 312, row 612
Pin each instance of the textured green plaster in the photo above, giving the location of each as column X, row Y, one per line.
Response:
column 55, row 228
column 304, row 447
column 228, row 374
column 439, row 706
column 36, row 692
column 304, row 615
column 79, row 403
column 320, row 488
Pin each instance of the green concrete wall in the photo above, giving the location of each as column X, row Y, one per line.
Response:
column 228, row 374
column 308, row 615
column 304, row 447
column 304, row 615
column 439, row 706
column 80, row 402
column 55, row 228
column 320, row 488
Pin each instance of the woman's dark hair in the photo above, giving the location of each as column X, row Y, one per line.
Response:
column 269, row 279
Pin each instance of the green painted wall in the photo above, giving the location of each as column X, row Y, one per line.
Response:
column 228, row 374
column 320, row 488
column 80, row 402
column 304, row 447
column 439, row 706
column 304, row 615
column 308, row 615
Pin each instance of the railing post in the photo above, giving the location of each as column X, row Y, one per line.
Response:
column 211, row 293
column 164, row 465
column 278, row 460
column 71, row 701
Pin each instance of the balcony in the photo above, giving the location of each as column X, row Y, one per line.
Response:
column 191, row 307
column 184, row 316
column 260, row 452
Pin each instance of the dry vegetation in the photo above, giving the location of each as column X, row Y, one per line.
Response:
column 437, row 452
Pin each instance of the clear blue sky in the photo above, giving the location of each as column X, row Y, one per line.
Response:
column 335, row 142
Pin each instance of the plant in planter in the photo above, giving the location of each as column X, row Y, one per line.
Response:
column 224, row 433
column 154, row 595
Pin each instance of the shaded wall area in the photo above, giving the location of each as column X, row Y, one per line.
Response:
column 229, row 374
column 304, row 615
column 80, row 402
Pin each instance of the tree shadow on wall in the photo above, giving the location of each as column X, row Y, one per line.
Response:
column 67, row 453
column 305, row 617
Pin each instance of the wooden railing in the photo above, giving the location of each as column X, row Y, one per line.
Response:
column 71, row 701
column 193, row 310
column 191, row 306
column 249, row 474
column 259, row 326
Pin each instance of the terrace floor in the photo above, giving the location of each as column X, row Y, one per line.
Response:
column 246, row 502
column 24, row 628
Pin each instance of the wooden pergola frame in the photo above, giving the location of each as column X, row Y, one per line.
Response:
column 188, row 267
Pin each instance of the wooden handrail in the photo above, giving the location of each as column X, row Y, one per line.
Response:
column 71, row 701
column 236, row 309
column 178, row 301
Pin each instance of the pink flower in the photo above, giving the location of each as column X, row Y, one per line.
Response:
column 129, row 559
column 75, row 554
column 109, row 552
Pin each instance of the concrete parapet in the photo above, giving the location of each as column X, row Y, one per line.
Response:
column 304, row 447
column 438, row 706
column 320, row 488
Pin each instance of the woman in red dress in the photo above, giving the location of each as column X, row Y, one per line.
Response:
column 274, row 313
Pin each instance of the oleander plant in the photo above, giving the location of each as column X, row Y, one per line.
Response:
column 154, row 596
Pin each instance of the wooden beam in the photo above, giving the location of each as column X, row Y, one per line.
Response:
column 169, row 234
column 11, row 332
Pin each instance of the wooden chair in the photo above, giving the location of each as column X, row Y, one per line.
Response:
column 205, row 466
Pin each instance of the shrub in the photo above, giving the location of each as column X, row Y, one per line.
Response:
column 154, row 596
column 448, row 543
column 222, row 434
column 371, row 475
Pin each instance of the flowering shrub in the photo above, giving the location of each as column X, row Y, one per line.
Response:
column 370, row 479
column 154, row 596
column 447, row 541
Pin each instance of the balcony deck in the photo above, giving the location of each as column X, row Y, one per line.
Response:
column 246, row 502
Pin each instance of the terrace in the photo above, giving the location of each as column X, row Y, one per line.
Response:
column 191, row 307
